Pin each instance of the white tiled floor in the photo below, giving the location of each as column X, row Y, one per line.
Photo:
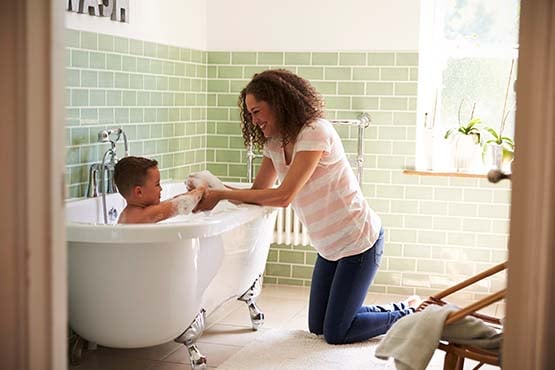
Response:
column 228, row 330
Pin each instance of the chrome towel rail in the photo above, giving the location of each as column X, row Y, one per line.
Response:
column 362, row 123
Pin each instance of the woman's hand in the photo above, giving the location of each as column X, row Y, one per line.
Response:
column 203, row 179
column 209, row 200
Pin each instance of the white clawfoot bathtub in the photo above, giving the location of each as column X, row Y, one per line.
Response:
column 142, row 285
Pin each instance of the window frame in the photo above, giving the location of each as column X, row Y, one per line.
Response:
column 434, row 52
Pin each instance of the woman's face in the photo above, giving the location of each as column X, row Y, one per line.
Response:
column 263, row 116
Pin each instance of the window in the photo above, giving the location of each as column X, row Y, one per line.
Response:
column 467, row 69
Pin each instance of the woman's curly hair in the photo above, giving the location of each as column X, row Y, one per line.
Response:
column 293, row 99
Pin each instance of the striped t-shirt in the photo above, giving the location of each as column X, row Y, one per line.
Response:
column 330, row 205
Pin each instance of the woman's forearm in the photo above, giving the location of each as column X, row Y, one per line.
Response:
column 264, row 197
column 301, row 169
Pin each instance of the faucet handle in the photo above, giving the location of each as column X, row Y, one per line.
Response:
column 104, row 137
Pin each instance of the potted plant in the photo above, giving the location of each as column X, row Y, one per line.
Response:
column 467, row 140
column 498, row 151
column 472, row 128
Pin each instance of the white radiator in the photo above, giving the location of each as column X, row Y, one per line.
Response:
column 289, row 229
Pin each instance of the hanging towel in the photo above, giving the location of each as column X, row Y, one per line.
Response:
column 412, row 340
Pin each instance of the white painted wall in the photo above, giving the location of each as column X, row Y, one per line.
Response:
column 174, row 22
column 313, row 25
column 284, row 25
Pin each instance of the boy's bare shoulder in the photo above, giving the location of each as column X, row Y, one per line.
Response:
column 130, row 215
column 123, row 216
column 147, row 214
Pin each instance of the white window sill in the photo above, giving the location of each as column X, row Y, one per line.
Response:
column 414, row 172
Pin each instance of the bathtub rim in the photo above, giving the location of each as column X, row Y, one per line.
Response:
column 201, row 226
column 163, row 232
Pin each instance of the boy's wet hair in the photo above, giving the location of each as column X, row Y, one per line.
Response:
column 132, row 171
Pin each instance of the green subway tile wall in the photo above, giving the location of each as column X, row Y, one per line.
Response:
column 180, row 106
column 155, row 92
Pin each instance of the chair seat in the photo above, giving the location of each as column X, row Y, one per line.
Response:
column 481, row 355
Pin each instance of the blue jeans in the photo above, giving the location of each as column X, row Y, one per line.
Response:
column 336, row 295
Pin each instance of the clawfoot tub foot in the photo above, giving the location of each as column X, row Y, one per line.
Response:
column 249, row 297
column 75, row 347
column 190, row 336
column 198, row 361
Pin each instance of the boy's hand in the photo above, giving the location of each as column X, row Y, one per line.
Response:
column 203, row 179
column 186, row 203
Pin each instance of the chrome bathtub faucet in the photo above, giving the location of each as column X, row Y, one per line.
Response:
column 106, row 169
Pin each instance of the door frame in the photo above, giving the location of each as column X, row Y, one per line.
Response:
column 33, row 273
column 531, row 292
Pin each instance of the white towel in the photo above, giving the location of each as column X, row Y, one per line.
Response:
column 203, row 179
column 412, row 340
column 223, row 206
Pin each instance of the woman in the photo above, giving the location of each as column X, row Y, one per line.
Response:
column 283, row 115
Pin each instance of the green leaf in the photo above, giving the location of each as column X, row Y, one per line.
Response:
column 508, row 146
column 508, row 140
column 493, row 133
column 449, row 133
column 473, row 122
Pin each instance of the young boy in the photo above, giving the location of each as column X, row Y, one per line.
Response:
column 138, row 181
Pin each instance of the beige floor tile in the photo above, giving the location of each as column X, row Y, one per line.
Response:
column 286, row 292
column 298, row 321
column 500, row 312
column 215, row 354
column 436, row 363
column 460, row 298
column 93, row 360
column 277, row 312
column 379, row 298
column 170, row 366
column 230, row 335
column 490, row 310
column 147, row 353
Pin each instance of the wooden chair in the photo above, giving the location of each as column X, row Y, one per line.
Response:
column 456, row 353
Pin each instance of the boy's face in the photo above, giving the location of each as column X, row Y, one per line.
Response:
column 151, row 189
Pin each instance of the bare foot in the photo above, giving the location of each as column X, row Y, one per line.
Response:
column 413, row 301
